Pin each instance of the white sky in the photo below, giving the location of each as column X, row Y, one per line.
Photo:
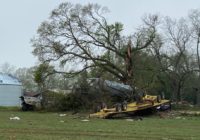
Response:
column 19, row 20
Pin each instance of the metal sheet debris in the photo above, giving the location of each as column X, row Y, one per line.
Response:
column 15, row 118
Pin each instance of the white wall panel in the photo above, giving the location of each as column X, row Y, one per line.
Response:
column 9, row 95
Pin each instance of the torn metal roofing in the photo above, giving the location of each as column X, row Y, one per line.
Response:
column 6, row 79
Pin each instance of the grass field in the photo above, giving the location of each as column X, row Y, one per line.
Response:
column 50, row 126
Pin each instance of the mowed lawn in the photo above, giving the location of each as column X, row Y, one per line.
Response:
column 50, row 126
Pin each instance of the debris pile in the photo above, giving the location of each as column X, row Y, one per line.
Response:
column 190, row 113
column 168, row 114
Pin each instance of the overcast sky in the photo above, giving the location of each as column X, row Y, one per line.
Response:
column 19, row 20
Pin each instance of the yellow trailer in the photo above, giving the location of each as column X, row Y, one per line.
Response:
column 147, row 102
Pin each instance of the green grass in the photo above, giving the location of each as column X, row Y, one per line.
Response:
column 48, row 126
column 12, row 108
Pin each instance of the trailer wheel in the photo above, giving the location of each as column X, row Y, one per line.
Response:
column 24, row 107
column 124, row 106
column 118, row 107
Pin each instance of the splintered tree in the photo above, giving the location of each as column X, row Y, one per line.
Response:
column 76, row 38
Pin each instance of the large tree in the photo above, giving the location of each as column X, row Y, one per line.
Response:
column 78, row 37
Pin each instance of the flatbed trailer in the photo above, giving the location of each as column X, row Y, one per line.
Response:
column 148, row 102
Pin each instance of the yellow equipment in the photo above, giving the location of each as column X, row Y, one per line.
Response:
column 147, row 102
column 125, row 91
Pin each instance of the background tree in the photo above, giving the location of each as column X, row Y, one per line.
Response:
column 7, row 68
column 41, row 75
column 26, row 76
column 194, row 18
column 174, row 62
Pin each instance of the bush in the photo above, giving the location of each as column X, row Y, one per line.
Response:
column 52, row 101
column 76, row 101
column 66, row 102
column 70, row 102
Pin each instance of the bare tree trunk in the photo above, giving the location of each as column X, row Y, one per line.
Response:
column 179, row 92
column 198, row 58
column 174, row 90
column 198, row 61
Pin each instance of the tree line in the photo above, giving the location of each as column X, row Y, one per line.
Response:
column 164, row 54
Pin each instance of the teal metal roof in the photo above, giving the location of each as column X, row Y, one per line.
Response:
column 6, row 79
